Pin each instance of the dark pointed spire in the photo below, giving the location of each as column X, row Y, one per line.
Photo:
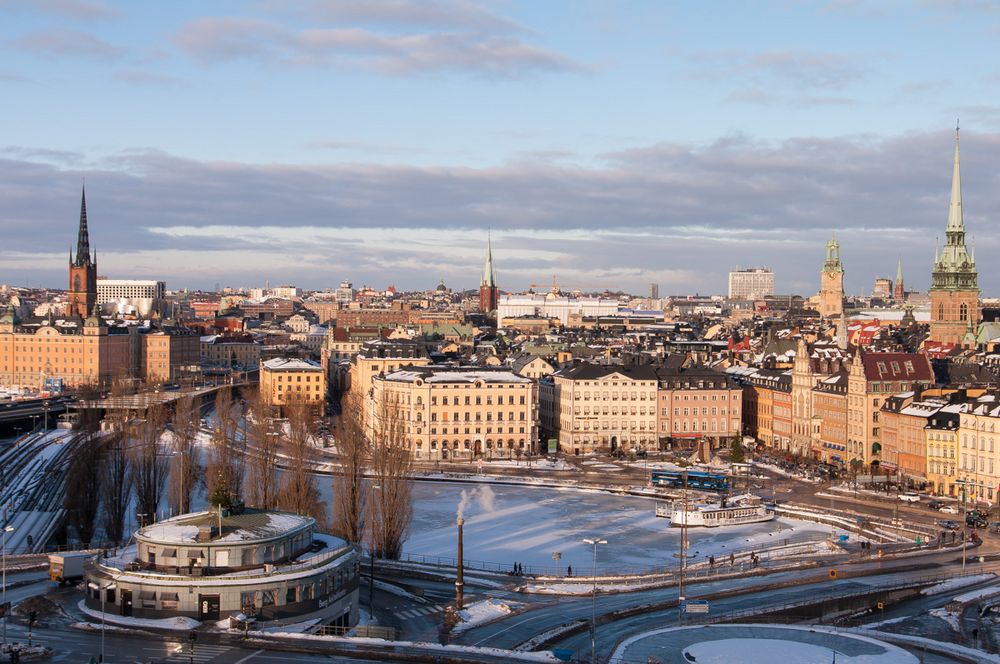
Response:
column 83, row 236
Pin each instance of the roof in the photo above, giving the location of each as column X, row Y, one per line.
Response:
column 291, row 364
column 897, row 366
column 250, row 525
column 440, row 374
column 589, row 371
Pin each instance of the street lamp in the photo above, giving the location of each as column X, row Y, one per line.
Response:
column 104, row 593
column 965, row 523
column 593, row 602
column 6, row 529
column 371, row 553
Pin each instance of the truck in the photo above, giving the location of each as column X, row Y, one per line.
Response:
column 66, row 568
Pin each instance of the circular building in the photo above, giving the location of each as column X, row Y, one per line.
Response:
column 209, row 565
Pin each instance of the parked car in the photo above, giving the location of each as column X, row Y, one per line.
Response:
column 935, row 504
column 948, row 524
column 949, row 509
column 910, row 497
column 995, row 527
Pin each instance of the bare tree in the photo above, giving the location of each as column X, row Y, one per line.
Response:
column 349, row 492
column 116, row 489
column 226, row 467
column 83, row 496
column 184, row 467
column 299, row 493
column 263, row 444
column 392, row 468
column 149, row 464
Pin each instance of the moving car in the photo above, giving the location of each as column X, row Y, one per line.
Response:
column 910, row 497
column 976, row 519
column 948, row 524
column 949, row 509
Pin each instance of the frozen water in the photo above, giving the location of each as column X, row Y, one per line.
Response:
column 527, row 524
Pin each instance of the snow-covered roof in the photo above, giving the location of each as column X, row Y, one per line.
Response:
column 251, row 525
column 429, row 375
column 291, row 364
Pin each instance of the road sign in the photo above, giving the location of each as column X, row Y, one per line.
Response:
column 833, row 574
column 696, row 606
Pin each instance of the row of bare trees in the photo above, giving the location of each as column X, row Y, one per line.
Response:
column 382, row 503
column 252, row 457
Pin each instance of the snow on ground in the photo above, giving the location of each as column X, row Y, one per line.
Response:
column 762, row 651
column 175, row 623
column 483, row 611
column 396, row 590
column 528, row 526
column 956, row 583
column 973, row 595
column 961, row 652
column 946, row 616
column 110, row 629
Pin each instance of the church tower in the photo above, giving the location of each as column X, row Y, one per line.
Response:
column 954, row 280
column 831, row 282
column 82, row 294
column 488, row 294
column 899, row 289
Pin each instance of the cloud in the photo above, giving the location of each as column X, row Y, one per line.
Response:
column 213, row 40
column 441, row 14
column 82, row 10
column 674, row 213
column 140, row 78
column 62, row 42
column 361, row 146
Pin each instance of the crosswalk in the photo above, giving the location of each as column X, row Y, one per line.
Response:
column 420, row 611
column 202, row 653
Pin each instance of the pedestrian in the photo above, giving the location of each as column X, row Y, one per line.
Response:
column 711, row 562
column 569, row 570
column 732, row 559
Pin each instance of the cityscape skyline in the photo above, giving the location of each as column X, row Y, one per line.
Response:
column 267, row 141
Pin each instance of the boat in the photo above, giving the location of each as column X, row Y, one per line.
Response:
column 732, row 511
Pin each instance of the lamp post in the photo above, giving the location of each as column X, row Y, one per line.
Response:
column 6, row 529
column 593, row 601
column 104, row 593
column 371, row 552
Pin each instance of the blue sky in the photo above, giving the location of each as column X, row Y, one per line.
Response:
column 609, row 144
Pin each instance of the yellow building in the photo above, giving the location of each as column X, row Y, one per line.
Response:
column 979, row 449
column 455, row 413
column 942, row 451
column 289, row 381
column 383, row 356
column 602, row 407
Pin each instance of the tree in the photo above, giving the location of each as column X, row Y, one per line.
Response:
column 116, row 489
column 349, row 493
column 736, row 453
column 185, row 469
column 149, row 464
column 226, row 466
column 392, row 467
column 83, row 496
column 263, row 444
column 299, row 493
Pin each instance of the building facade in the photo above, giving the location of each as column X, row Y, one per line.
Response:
column 697, row 402
column 265, row 565
column 287, row 381
column 552, row 306
column 455, row 413
column 754, row 283
column 145, row 296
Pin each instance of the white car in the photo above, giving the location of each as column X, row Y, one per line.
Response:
column 910, row 497
column 949, row 509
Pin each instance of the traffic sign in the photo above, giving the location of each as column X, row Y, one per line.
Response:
column 833, row 574
column 696, row 606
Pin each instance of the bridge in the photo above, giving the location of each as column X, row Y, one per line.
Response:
column 143, row 400
column 26, row 409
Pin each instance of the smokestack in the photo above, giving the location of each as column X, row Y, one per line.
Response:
column 459, row 583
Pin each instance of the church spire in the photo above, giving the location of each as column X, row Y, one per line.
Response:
column 489, row 278
column 83, row 236
column 956, row 222
column 899, row 271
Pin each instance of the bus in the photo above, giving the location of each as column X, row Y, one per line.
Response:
column 696, row 479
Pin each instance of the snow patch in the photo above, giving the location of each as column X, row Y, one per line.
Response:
column 483, row 611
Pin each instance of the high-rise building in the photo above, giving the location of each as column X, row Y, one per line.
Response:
column 145, row 296
column 344, row 294
column 754, row 283
column 954, row 281
column 488, row 293
column 654, row 291
column 883, row 288
column 82, row 294
column 831, row 282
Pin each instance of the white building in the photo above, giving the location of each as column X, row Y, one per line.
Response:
column 344, row 294
column 752, row 283
column 552, row 306
column 143, row 295
column 287, row 292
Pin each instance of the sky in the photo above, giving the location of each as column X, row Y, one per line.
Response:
column 600, row 144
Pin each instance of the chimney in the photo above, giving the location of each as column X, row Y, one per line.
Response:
column 459, row 583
